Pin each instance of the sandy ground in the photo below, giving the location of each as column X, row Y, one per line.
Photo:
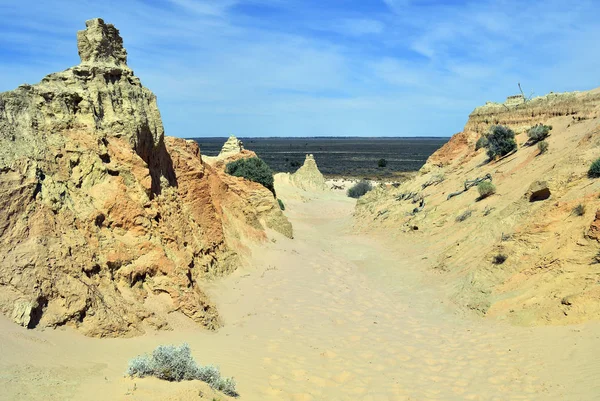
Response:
column 326, row 316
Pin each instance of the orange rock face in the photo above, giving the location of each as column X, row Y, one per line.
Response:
column 594, row 231
column 103, row 215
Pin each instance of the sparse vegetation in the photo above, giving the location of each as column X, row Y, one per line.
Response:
column 464, row 215
column 486, row 189
column 481, row 143
column 488, row 210
column 281, row 204
column 542, row 147
column 499, row 259
column 594, row 171
column 382, row 163
column 359, row 189
column 175, row 363
column 501, row 141
column 434, row 180
column 578, row 210
column 538, row 132
column 253, row 169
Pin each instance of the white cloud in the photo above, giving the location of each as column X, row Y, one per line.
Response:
column 205, row 7
column 215, row 70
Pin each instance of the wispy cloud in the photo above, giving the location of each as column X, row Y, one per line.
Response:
column 358, row 27
column 291, row 67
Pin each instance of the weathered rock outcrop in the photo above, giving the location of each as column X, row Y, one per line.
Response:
column 538, row 191
column 519, row 115
column 550, row 249
column 231, row 147
column 308, row 176
column 105, row 217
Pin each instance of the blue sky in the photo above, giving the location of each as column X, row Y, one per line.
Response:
column 318, row 67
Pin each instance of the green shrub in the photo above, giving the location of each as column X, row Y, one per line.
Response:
column 172, row 363
column 594, row 171
column 486, row 189
column 359, row 189
column 538, row 132
column 481, row 143
column 253, row 169
column 501, row 141
column 382, row 163
column 281, row 205
column 542, row 146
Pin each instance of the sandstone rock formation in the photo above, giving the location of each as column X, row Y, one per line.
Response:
column 551, row 251
column 519, row 116
column 308, row 176
column 231, row 147
column 105, row 217
column 538, row 191
column 594, row 229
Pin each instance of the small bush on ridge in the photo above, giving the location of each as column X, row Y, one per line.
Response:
column 594, row 171
column 486, row 189
column 501, row 141
column 281, row 205
column 175, row 363
column 359, row 189
column 542, row 146
column 538, row 132
column 253, row 169
column 382, row 163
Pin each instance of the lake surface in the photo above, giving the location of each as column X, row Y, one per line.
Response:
column 337, row 156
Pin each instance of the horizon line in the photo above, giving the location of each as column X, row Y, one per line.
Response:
column 322, row 137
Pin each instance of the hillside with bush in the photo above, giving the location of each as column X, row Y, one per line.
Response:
column 532, row 162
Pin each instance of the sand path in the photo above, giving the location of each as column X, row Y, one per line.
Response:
column 326, row 316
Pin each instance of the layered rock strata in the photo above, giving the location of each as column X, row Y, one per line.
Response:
column 107, row 224
column 518, row 253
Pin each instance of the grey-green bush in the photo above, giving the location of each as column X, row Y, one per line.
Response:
column 594, row 171
column 281, row 204
column 464, row 215
column 486, row 189
column 538, row 132
column 359, row 189
column 542, row 146
column 481, row 143
column 501, row 141
column 175, row 363
column 253, row 169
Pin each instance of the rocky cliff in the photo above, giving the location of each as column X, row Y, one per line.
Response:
column 550, row 244
column 108, row 225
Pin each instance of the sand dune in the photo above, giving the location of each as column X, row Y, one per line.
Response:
column 326, row 316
